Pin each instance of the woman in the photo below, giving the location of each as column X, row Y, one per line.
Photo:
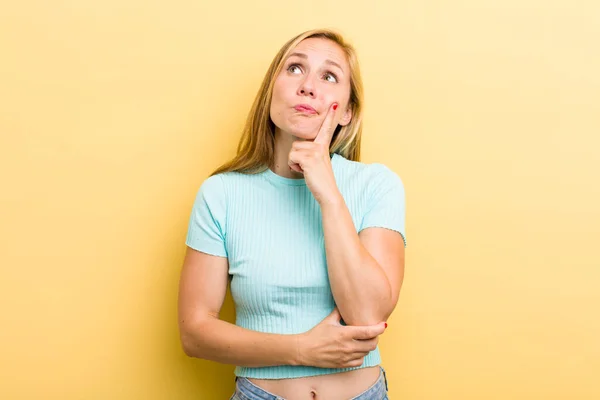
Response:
column 311, row 240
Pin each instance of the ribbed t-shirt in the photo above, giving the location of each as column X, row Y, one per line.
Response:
column 269, row 228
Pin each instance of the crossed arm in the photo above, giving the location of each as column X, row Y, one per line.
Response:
column 366, row 270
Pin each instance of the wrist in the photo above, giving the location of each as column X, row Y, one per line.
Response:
column 332, row 201
column 297, row 350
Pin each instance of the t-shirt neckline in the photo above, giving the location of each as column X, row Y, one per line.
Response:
column 273, row 177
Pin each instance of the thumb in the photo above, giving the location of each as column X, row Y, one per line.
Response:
column 368, row 332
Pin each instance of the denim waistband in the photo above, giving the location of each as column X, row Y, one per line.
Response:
column 246, row 390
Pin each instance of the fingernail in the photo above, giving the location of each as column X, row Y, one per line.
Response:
column 386, row 324
column 335, row 107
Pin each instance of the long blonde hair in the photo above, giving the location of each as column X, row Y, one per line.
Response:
column 255, row 150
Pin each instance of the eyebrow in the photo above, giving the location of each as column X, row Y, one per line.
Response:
column 328, row 61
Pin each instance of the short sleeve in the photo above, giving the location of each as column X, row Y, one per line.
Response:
column 386, row 204
column 206, row 229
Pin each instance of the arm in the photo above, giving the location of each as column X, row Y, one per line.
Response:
column 202, row 289
column 365, row 270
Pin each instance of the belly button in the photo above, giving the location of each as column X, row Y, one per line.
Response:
column 313, row 394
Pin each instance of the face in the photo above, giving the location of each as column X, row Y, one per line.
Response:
column 315, row 75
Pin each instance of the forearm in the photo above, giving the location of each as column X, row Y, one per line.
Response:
column 223, row 342
column 359, row 285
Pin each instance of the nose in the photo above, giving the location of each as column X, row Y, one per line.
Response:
column 307, row 88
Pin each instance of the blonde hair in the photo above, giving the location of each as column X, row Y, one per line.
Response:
column 255, row 150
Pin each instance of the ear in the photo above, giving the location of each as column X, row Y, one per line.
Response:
column 347, row 117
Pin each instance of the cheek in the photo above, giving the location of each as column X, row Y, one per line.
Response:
column 278, row 98
column 277, row 104
column 344, row 95
column 339, row 94
column 280, row 87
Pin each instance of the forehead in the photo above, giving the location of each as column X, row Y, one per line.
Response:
column 320, row 49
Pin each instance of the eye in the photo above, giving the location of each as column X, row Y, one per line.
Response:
column 331, row 75
column 292, row 67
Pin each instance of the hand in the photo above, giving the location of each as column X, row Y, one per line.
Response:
column 312, row 159
column 333, row 345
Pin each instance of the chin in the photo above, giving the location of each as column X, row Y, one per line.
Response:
column 304, row 132
column 304, row 135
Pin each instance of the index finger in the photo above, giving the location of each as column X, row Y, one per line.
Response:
column 326, row 131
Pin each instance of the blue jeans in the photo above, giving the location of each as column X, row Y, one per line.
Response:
column 246, row 390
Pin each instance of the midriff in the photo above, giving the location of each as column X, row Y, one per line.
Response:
column 339, row 386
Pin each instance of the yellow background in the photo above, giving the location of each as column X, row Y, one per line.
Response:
column 113, row 112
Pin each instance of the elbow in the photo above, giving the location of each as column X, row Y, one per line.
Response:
column 387, row 308
column 191, row 343
column 386, row 305
column 366, row 316
column 370, row 317
column 362, row 319
column 371, row 314
column 189, row 348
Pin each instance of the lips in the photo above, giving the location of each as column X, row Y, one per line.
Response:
column 305, row 108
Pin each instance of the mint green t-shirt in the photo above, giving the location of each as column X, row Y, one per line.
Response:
column 269, row 228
